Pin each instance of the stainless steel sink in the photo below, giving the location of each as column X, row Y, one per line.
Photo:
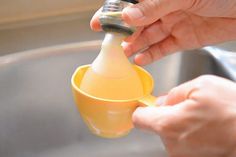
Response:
column 38, row 117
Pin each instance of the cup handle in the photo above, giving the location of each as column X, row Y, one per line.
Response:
column 148, row 100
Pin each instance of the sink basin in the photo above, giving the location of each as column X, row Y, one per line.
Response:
column 38, row 117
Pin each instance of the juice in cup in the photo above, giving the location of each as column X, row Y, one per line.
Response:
column 111, row 75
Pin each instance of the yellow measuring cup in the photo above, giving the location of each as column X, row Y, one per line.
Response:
column 110, row 118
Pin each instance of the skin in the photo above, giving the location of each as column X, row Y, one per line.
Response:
column 197, row 118
column 194, row 119
column 182, row 25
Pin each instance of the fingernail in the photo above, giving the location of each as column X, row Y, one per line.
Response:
column 139, row 59
column 127, row 49
column 142, row 59
column 133, row 13
column 161, row 100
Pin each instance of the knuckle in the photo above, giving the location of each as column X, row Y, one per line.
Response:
column 162, row 126
column 155, row 52
column 193, row 5
column 140, row 121
column 164, row 30
column 200, row 90
column 149, row 7
column 204, row 80
column 151, row 52
column 155, row 33
column 163, row 51
column 173, row 91
column 148, row 37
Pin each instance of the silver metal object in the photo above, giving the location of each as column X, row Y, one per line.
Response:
column 111, row 19
column 225, row 59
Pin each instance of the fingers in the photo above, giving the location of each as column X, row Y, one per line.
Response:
column 169, row 118
column 150, row 35
column 149, row 11
column 136, row 34
column 157, row 51
column 94, row 23
column 149, row 118
column 155, row 40
column 180, row 93
column 162, row 120
column 204, row 88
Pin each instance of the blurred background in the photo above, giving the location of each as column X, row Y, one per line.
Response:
column 30, row 24
column 42, row 42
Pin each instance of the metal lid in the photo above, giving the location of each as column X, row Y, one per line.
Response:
column 117, row 28
column 131, row 1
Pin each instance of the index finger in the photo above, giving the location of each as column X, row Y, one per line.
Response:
column 95, row 23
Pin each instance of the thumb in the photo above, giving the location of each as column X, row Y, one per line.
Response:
column 156, row 119
column 149, row 11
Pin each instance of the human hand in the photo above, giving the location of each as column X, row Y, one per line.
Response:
column 168, row 26
column 196, row 119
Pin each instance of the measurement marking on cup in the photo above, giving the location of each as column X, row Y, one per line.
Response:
column 119, row 112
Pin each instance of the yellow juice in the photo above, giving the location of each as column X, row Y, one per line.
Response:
column 111, row 75
column 127, row 87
